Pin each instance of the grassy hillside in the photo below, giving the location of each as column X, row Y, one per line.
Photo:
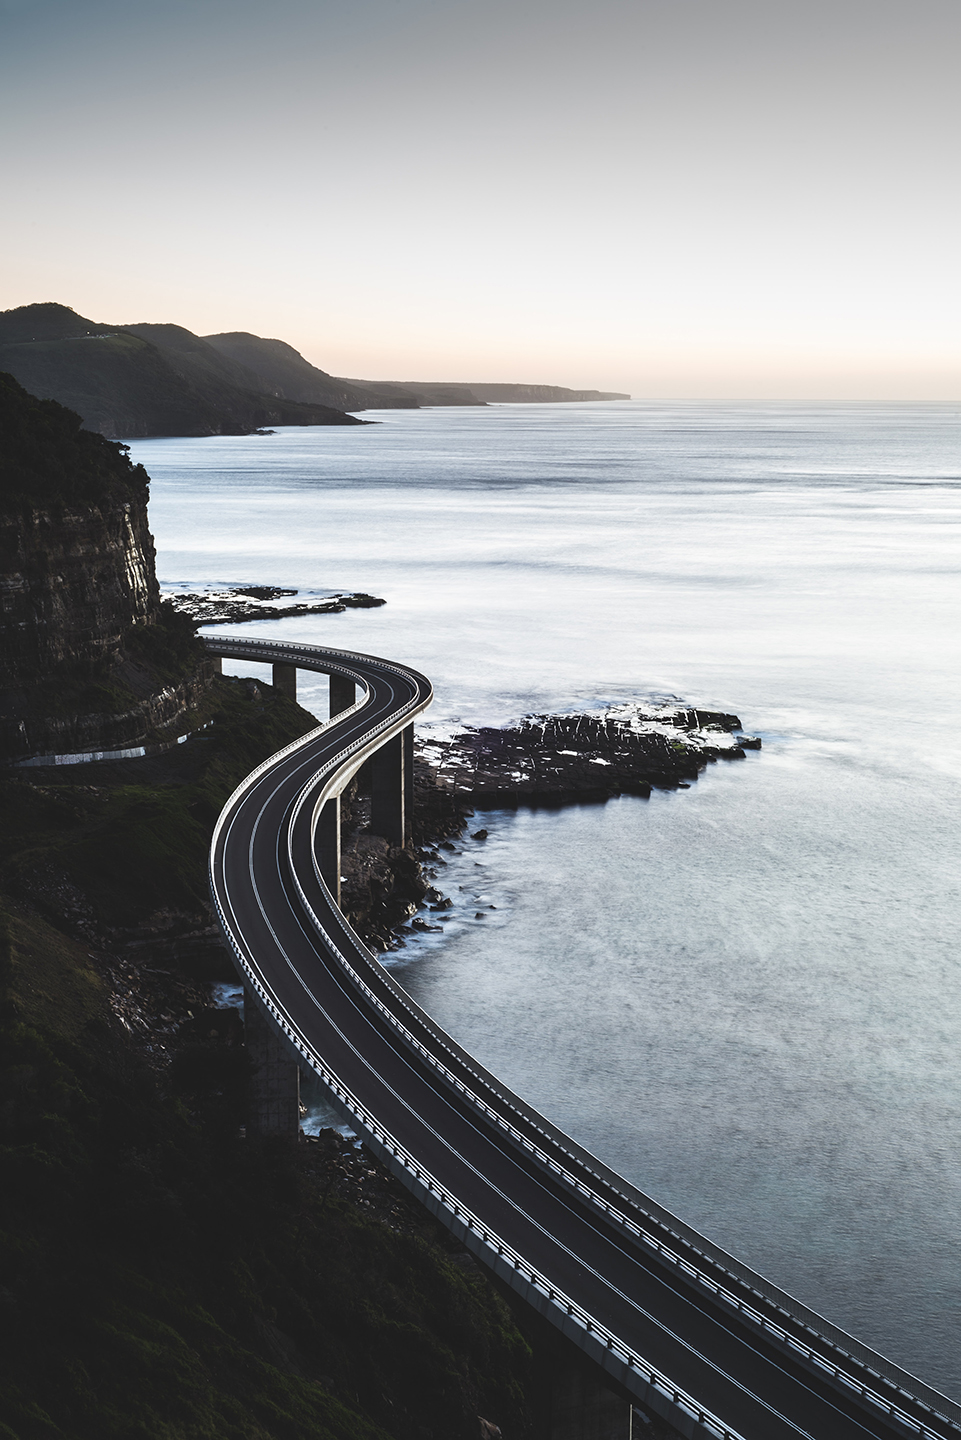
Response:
column 162, row 1276
column 163, row 381
column 47, row 458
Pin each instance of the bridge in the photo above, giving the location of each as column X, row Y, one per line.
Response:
column 681, row 1327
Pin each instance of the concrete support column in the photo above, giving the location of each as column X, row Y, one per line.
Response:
column 389, row 787
column 327, row 845
column 582, row 1408
column 342, row 694
column 285, row 679
column 408, row 738
column 274, row 1092
column 217, row 663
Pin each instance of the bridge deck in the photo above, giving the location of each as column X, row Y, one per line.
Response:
column 683, row 1327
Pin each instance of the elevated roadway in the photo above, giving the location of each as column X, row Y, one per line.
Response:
column 681, row 1326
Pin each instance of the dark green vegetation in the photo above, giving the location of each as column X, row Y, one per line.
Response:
column 161, row 1276
column 47, row 458
column 133, row 380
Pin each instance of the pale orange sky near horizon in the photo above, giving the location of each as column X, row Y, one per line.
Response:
column 668, row 197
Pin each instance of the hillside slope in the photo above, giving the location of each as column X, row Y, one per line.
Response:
column 280, row 370
column 132, row 381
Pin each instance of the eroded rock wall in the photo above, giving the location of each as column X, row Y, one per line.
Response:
column 89, row 657
column 71, row 585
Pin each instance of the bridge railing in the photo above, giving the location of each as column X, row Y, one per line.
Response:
column 439, row 1192
column 316, row 789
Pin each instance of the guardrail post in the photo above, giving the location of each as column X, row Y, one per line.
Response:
column 285, row 679
column 327, row 845
column 342, row 694
column 388, row 812
column 273, row 1096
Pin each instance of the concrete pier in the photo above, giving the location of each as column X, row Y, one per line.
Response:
column 285, row 679
column 327, row 845
column 274, row 1091
column 392, row 788
column 342, row 694
column 583, row 1408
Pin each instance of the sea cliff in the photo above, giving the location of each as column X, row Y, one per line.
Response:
column 89, row 656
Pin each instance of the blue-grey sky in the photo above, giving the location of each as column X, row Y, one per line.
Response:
column 671, row 197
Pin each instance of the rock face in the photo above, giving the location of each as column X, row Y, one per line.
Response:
column 73, row 581
column 89, row 658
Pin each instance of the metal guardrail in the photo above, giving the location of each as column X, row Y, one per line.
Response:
column 460, row 1212
column 317, row 789
column 685, row 1267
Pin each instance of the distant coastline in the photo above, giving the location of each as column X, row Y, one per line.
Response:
column 137, row 381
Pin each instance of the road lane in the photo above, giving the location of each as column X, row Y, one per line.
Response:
column 297, row 945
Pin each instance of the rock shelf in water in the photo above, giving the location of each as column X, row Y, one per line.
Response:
column 626, row 749
column 259, row 602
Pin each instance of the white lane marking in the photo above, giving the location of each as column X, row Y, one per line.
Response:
column 285, row 779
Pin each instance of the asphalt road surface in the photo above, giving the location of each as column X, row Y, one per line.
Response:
column 685, row 1328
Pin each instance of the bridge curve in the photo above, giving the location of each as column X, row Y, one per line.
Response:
column 680, row 1325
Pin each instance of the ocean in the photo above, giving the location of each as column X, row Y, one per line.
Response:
column 745, row 996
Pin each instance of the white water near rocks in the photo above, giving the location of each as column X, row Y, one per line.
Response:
column 745, row 996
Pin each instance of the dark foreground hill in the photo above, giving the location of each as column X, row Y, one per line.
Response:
column 136, row 380
column 162, row 1276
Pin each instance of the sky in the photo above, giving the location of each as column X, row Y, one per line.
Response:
column 699, row 198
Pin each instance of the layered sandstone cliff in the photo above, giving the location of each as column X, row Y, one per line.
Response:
column 89, row 658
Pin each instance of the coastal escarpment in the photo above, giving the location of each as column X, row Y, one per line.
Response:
column 89, row 656
column 137, row 380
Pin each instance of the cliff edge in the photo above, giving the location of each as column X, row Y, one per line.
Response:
column 89, row 656
column 137, row 380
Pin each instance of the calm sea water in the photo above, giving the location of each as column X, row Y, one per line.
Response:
column 746, row 996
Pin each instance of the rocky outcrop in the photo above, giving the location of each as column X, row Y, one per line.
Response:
column 89, row 658
column 260, row 602
column 627, row 749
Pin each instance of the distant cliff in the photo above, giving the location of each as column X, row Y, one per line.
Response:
column 89, row 658
column 136, row 380
column 449, row 392
column 282, row 371
column 538, row 394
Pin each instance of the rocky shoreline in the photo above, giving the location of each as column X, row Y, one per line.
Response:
column 556, row 759
column 623, row 749
column 259, row 602
column 158, row 974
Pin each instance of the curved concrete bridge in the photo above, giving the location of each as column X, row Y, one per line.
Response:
column 681, row 1326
